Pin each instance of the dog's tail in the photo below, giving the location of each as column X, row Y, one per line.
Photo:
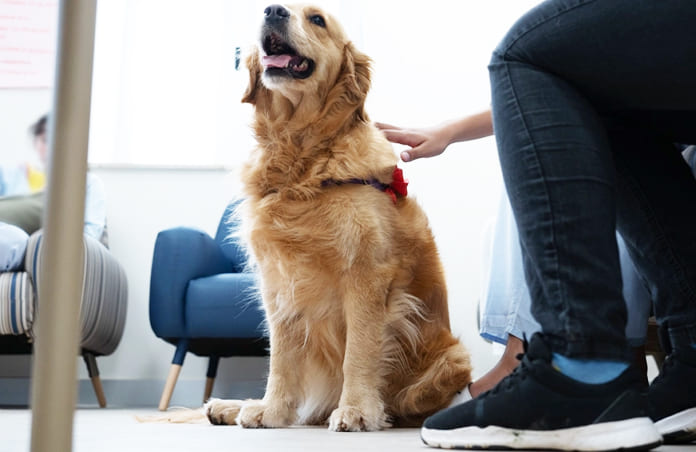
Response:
column 177, row 416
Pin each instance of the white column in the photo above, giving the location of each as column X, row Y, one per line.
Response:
column 54, row 385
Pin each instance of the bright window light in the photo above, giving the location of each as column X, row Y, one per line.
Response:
column 166, row 92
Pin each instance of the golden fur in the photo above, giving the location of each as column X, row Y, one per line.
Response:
column 351, row 282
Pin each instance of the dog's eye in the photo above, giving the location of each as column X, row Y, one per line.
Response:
column 317, row 20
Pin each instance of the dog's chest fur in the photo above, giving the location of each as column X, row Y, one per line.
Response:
column 304, row 243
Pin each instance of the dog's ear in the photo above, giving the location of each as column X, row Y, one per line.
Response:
column 361, row 79
column 353, row 81
column 255, row 85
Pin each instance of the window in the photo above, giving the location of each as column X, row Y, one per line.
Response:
column 166, row 93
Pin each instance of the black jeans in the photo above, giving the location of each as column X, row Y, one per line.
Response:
column 589, row 97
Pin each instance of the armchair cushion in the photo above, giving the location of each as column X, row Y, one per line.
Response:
column 224, row 306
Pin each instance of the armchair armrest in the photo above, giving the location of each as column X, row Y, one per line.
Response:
column 104, row 294
column 181, row 254
column 104, row 299
column 228, row 242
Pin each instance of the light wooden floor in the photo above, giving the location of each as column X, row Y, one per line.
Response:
column 116, row 430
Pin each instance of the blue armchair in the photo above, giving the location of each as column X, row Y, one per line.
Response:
column 203, row 299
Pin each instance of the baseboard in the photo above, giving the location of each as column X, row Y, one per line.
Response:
column 15, row 392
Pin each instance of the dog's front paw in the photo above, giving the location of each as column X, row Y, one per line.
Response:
column 222, row 412
column 353, row 419
column 258, row 414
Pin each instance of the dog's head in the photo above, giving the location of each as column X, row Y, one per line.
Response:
column 305, row 58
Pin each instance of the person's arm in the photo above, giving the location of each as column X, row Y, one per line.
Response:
column 13, row 180
column 95, row 207
column 432, row 141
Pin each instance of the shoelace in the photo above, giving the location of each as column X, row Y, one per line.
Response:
column 666, row 365
column 519, row 374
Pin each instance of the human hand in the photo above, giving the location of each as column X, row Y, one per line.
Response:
column 424, row 142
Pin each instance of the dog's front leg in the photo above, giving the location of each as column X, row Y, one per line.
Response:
column 278, row 408
column 361, row 407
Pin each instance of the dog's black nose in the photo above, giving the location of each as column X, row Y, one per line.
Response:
column 276, row 13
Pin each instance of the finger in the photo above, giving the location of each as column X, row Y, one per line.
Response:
column 401, row 137
column 412, row 154
column 418, row 152
column 385, row 126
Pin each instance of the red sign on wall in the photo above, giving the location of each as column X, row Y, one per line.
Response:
column 28, row 34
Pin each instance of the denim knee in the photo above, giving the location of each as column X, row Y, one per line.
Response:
column 13, row 244
column 521, row 42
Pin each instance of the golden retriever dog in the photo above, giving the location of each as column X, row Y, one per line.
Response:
column 350, row 277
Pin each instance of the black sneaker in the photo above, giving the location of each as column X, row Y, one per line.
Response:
column 672, row 397
column 537, row 407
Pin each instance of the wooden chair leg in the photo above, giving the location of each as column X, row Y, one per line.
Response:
column 210, row 377
column 169, row 385
column 93, row 371
column 99, row 391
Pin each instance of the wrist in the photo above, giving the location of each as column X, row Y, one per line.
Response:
column 450, row 133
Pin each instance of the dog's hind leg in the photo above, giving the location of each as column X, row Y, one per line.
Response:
column 446, row 373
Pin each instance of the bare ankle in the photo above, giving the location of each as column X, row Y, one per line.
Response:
column 507, row 363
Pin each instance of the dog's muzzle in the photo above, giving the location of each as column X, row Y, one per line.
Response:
column 281, row 59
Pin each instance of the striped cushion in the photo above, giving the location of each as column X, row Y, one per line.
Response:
column 16, row 303
column 104, row 296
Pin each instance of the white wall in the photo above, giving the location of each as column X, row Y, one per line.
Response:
column 19, row 109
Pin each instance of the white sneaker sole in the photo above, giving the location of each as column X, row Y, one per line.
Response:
column 679, row 424
column 629, row 434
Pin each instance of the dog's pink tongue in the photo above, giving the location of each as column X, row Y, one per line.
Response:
column 280, row 61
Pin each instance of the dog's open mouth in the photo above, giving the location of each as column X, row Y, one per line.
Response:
column 282, row 59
